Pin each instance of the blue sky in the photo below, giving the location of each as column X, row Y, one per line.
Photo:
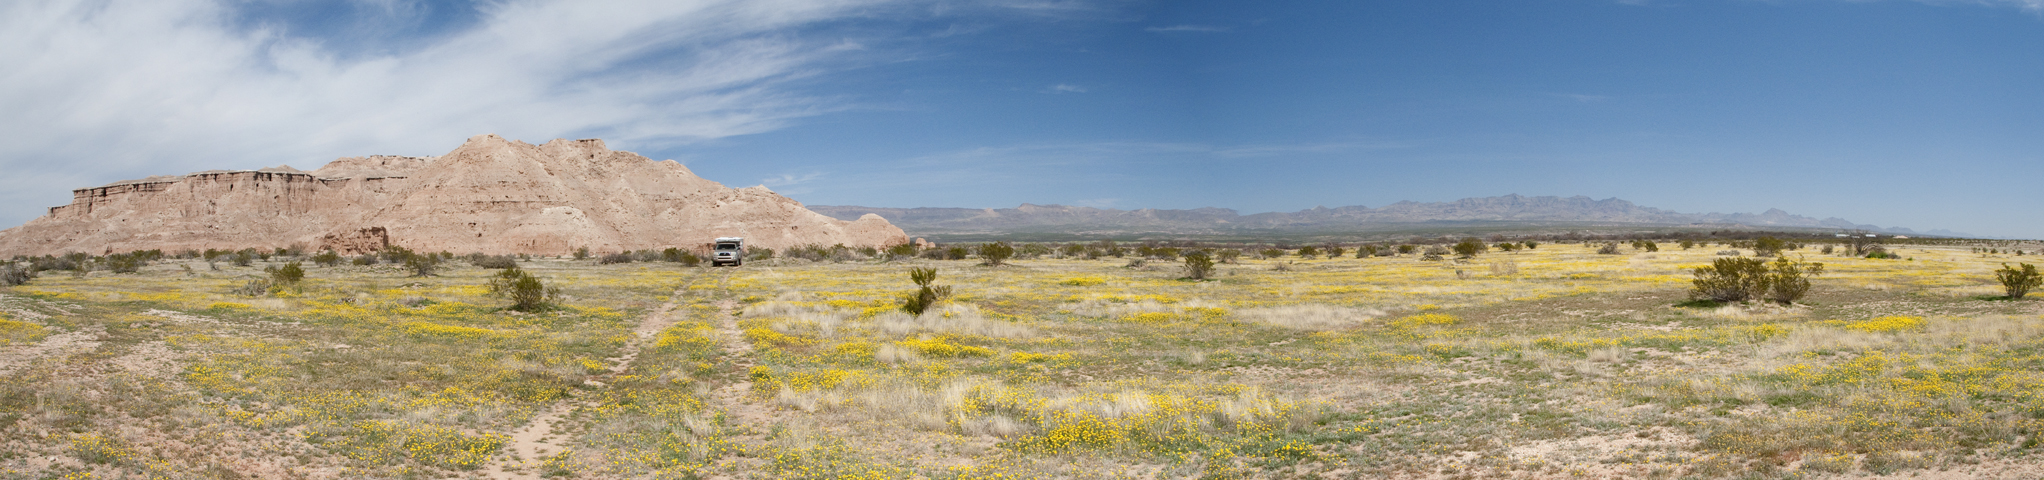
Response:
column 1924, row 114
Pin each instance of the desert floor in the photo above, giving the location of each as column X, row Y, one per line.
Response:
column 1550, row 363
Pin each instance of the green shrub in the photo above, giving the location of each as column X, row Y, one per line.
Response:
column 494, row 261
column 615, row 258
column 1470, row 247
column 909, row 250
column 926, row 295
column 996, row 253
column 1271, row 253
column 1336, row 252
column 1608, row 249
column 289, row 274
column 1407, row 249
column 2018, row 282
column 759, row 253
column 1198, row 265
column 527, row 293
column 327, row 258
column 1530, row 244
column 124, row 263
column 1768, row 246
column 1741, row 279
column 1227, row 255
column 1309, row 251
column 1366, row 251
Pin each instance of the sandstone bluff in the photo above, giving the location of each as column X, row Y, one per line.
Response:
column 491, row 195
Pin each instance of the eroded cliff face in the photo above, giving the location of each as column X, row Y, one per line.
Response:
column 490, row 195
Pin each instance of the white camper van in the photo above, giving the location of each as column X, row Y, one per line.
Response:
column 729, row 251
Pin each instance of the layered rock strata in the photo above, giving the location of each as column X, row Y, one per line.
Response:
column 491, row 195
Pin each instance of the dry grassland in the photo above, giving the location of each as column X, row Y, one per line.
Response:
column 1550, row 363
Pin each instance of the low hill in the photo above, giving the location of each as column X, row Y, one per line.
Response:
column 490, row 195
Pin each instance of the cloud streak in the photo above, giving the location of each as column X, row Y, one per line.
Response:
column 127, row 88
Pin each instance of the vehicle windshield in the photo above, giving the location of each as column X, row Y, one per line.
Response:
column 727, row 246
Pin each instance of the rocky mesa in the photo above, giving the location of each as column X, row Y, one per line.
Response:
column 490, row 195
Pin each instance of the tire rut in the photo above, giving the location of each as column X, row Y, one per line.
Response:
column 530, row 445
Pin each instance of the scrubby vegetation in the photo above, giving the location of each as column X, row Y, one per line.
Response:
column 1556, row 362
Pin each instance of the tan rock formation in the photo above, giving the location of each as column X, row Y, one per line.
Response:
column 490, row 195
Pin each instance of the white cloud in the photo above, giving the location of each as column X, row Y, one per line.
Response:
column 102, row 90
column 1066, row 88
column 1188, row 28
column 788, row 179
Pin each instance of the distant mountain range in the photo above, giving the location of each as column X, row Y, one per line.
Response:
column 1509, row 210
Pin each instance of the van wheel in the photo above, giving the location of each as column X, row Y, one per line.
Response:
column 739, row 263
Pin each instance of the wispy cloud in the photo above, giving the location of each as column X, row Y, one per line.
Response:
column 788, row 179
column 128, row 88
column 1065, row 88
column 1189, row 28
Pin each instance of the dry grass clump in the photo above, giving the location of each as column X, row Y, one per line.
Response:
column 1312, row 316
column 952, row 319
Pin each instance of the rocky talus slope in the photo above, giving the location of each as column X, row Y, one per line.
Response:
column 491, row 195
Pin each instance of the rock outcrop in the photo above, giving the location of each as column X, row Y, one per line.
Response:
column 491, row 195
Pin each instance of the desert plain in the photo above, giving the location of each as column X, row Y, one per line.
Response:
column 1550, row 362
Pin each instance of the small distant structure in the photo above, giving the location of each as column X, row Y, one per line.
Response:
column 1872, row 235
column 1841, row 235
column 1901, row 236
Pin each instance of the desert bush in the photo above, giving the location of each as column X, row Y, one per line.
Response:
column 1198, row 265
column 1768, row 246
column 1434, row 253
column 1367, row 251
column 996, row 253
column 926, row 295
column 1790, row 280
column 1033, row 250
column 494, row 261
column 1309, row 251
column 327, row 258
column 909, row 250
column 1469, row 247
column 1687, row 244
column 1828, row 249
column 1336, row 252
column 289, row 274
column 254, row 288
column 1608, row 249
column 421, row 265
column 759, row 253
column 689, row 259
column 124, row 263
column 1407, row 249
column 2018, row 281
column 1729, row 279
column 1741, row 279
column 615, row 258
column 1227, row 255
column 365, row 260
column 582, row 253
column 16, row 273
column 1530, row 244
column 527, row 293
column 1270, row 253
column 244, row 258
